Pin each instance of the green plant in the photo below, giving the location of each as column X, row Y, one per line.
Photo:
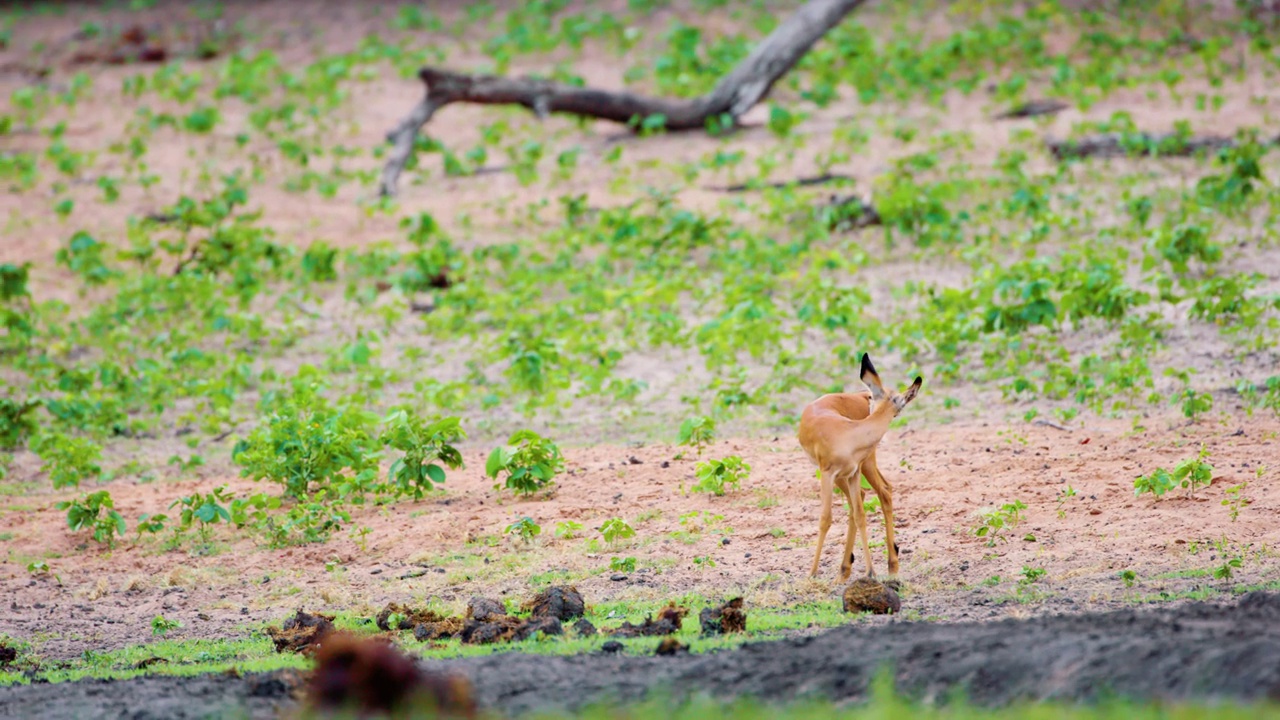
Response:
column 68, row 460
column 96, row 512
column 427, row 445
column 305, row 444
column 17, row 421
column 704, row 561
column 1129, row 577
column 568, row 529
column 150, row 523
column 615, row 530
column 618, row 564
column 207, row 509
column 715, row 475
column 161, row 626
column 992, row 523
column 525, row 529
column 1190, row 474
column 1032, row 575
column 697, row 432
column 529, row 460
column 1063, row 497
column 1228, row 568
column 1235, row 499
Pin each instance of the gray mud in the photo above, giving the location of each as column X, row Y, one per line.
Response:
column 1196, row 651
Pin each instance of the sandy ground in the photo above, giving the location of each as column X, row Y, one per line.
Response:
column 945, row 477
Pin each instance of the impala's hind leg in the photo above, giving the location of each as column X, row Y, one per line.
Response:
column 846, row 558
column 858, row 511
column 883, row 490
column 827, row 478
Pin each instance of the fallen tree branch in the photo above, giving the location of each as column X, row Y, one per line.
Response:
column 735, row 94
column 1033, row 108
column 1140, row 145
column 806, row 181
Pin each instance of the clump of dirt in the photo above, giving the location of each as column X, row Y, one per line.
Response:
column 407, row 618
column 444, row 628
column 870, row 595
column 668, row 623
column 728, row 618
column 671, row 646
column 301, row 633
column 563, row 603
column 485, row 610
column 508, row 629
column 584, row 628
column 370, row 676
column 8, row 654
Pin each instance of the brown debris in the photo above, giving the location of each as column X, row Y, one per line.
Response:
column 301, row 633
column 870, row 595
column 561, row 602
column 485, row 610
column 584, row 628
column 670, row 646
column 8, row 654
column 508, row 629
column 154, row 44
column 728, row 618
column 372, row 676
column 668, row 623
column 409, row 618
column 445, row 628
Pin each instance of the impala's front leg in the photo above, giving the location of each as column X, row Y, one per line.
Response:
column 825, row 523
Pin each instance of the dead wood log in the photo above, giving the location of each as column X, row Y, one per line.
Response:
column 735, row 94
column 1139, row 145
column 806, row 181
column 1033, row 108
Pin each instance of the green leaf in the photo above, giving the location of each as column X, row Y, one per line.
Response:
column 436, row 473
column 495, row 463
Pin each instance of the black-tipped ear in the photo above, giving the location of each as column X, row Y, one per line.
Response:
column 910, row 394
column 871, row 378
column 867, row 367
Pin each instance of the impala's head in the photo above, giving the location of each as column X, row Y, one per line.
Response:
column 896, row 399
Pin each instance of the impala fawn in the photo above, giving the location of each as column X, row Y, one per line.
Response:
column 840, row 432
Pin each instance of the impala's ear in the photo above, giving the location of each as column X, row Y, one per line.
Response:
column 910, row 394
column 871, row 379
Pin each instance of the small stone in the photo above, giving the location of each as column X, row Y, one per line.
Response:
column 612, row 647
column 618, row 577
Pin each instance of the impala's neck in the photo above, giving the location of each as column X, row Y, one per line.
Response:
column 882, row 413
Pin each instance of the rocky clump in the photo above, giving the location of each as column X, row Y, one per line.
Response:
column 870, row 595
column 728, row 618
column 668, row 623
column 563, row 603
column 301, row 633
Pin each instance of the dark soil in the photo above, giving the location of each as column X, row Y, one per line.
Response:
column 1194, row 651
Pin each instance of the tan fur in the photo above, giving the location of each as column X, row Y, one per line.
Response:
column 840, row 433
